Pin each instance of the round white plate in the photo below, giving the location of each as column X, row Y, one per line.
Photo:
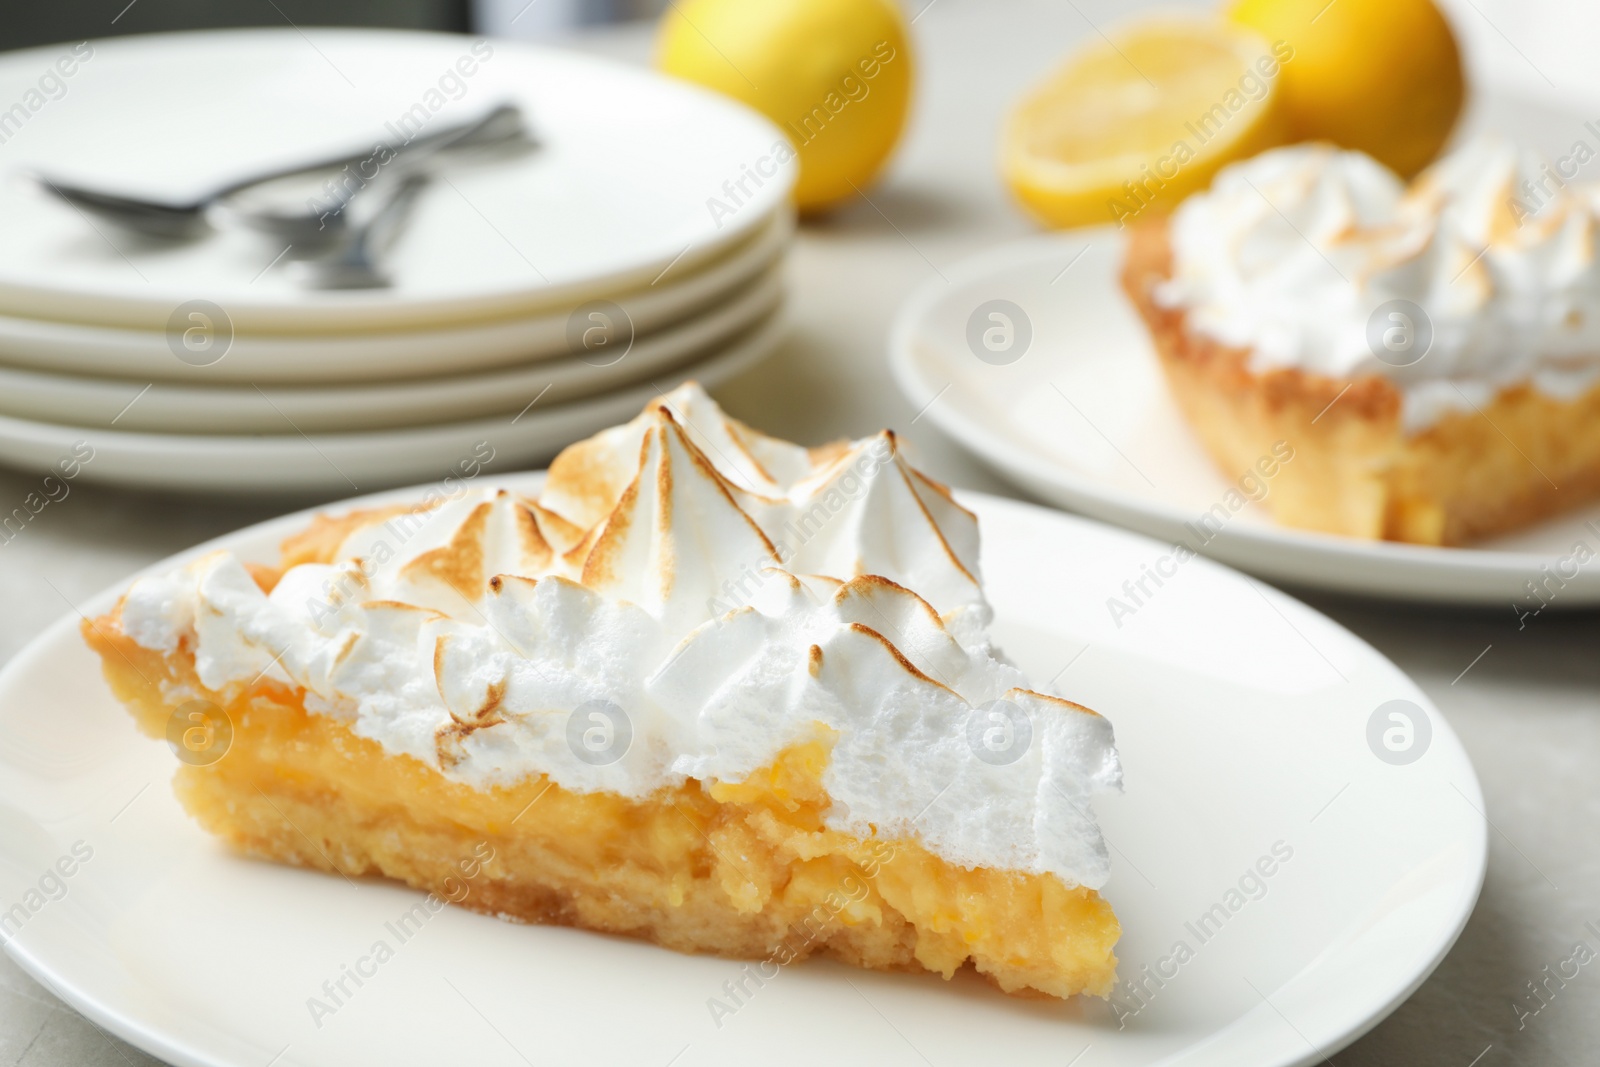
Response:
column 328, row 462
column 1242, row 718
column 611, row 197
column 166, row 408
column 1083, row 419
column 150, row 355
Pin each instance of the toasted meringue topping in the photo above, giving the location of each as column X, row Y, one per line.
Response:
column 1292, row 254
column 686, row 598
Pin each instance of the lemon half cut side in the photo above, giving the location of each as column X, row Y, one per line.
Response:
column 1136, row 121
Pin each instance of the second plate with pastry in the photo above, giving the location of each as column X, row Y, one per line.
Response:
column 1035, row 359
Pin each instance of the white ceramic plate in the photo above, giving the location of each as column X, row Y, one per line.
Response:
column 609, row 199
column 328, row 462
column 1083, row 419
column 149, row 355
column 169, row 408
column 1242, row 718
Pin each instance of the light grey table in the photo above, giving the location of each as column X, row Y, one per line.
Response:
column 1526, row 702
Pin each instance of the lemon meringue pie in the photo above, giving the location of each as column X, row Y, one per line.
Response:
column 708, row 688
column 1430, row 352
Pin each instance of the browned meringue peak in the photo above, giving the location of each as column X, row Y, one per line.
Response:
column 676, row 535
column 868, row 511
column 1499, row 195
column 445, row 557
column 587, row 479
column 914, row 630
column 844, row 510
column 471, row 695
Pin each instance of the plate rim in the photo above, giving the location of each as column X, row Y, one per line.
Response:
column 735, row 314
column 28, row 445
column 730, row 271
column 151, row 1039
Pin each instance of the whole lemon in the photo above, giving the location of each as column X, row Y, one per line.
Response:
column 1382, row 76
column 834, row 74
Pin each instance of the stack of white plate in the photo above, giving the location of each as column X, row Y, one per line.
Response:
column 536, row 298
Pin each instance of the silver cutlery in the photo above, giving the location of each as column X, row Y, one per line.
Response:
column 355, row 262
column 311, row 224
column 191, row 218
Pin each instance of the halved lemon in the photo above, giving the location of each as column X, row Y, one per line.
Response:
column 1140, row 119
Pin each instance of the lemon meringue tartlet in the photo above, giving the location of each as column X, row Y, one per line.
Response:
column 1431, row 352
column 709, row 688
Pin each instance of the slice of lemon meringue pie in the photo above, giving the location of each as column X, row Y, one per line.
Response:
column 710, row 689
column 1427, row 354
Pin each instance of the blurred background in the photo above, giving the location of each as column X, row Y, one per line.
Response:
column 43, row 23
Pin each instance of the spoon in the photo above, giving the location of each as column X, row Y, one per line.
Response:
column 188, row 219
column 354, row 263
